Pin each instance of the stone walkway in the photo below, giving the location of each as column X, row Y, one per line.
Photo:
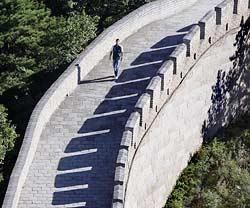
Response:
column 75, row 159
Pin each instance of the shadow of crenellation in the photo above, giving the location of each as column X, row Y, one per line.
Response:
column 231, row 93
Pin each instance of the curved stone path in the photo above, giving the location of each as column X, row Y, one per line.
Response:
column 75, row 160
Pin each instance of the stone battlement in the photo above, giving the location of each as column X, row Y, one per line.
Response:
column 212, row 27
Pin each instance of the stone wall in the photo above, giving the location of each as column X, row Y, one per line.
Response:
column 69, row 80
column 213, row 27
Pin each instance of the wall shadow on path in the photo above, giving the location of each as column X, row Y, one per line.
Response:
column 231, row 93
column 92, row 155
column 97, row 80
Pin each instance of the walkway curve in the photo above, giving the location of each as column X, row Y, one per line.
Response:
column 193, row 95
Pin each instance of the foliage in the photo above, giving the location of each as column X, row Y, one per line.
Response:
column 241, row 56
column 31, row 40
column 7, row 136
column 108, row 11
column 219, row 175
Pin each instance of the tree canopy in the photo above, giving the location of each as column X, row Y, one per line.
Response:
column 7, row 136
column 108, row 11
column 31, row 40
column 219, row 175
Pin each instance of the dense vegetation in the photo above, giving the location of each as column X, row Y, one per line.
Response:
column 219, row 175
column 7, row 136
column 108, row 11
column 38, row 40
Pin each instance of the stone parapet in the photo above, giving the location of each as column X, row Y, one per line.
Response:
column 213, row 26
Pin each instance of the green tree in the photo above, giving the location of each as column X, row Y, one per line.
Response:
column 23, row 26
column 59, row 7
column 108, row 11
column 32, row 40
column 219, row 175
column 7, row 137
column 66, row 38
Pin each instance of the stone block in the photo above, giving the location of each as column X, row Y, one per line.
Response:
column 224, row 15
column 207, row 29
column 122, row 157
column 154, row 90
column 120, row 174
column 126, row 138
column 166, row 74
column 133, row 125
column 192, row 41
column 142, row 107
column 179, row 58
column 118, row 193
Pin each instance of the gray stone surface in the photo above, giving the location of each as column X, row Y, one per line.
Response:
column 177, row 131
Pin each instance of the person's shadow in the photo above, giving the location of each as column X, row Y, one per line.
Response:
column 101, row 134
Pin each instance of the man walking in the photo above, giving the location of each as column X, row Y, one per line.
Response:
column 117, row 52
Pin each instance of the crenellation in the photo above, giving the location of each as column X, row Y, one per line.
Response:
column 240, row 7
column 154, row 90
column 224, row 15
column 120, row 174
column 192, row 41
column 208, row 27
column 126, row 139
column 178, row 56
column 143, row 106
column 166, row 75
column 118, row 193
column 77, row 70
column 200, row 37
column 122, row 157
column 117, row 205
column 133, row 125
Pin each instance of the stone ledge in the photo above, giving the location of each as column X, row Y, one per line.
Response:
column 119, row 174
column 117, row 205
column 166, row 72
column 154, row 90
column 133, row 121
column 178, row 56
column 126, row 139
column 118, row 193
column 122, row 157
